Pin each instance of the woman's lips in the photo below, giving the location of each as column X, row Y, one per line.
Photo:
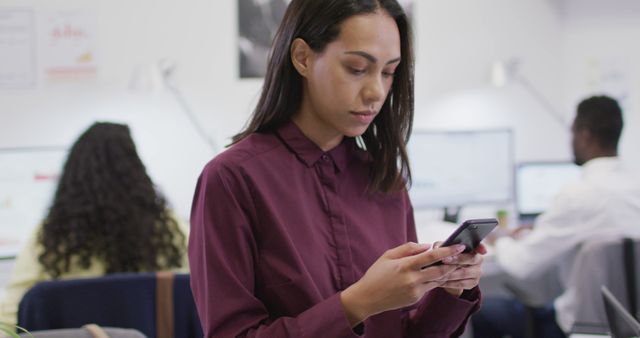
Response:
column 366, row 116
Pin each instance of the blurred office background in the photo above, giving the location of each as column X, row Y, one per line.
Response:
column 171, row 70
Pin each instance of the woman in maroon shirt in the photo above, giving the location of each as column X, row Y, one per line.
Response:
column 303, row 228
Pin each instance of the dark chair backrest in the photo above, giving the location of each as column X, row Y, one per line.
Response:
column 629, row 260
column 131, row 300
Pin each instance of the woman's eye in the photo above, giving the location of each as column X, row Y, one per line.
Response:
column 356, row 71
column 389, row 73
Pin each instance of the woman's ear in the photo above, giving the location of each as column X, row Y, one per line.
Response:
column 301, row 56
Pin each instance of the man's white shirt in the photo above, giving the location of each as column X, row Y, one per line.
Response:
column 605, row 203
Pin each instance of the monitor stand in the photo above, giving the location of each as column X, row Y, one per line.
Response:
column 451, row 214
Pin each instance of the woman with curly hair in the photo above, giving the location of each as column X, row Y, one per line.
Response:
column 106, row 217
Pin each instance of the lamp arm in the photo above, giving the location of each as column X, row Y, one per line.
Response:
column 542, row 100
column 186, row 109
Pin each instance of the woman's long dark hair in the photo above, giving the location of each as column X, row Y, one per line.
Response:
column 318, row 22
column 106, row 207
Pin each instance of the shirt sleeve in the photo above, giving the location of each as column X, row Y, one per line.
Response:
column 438, row 314
column 555, row 232
column 222, row 254
column 27, row 271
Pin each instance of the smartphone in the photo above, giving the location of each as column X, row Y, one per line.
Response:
column 471, row 232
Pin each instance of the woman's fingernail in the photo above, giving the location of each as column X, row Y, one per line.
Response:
column 460, row 247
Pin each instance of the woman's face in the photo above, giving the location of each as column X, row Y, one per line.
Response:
column 346, row 84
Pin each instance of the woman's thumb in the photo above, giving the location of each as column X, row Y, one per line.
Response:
column 407, row 249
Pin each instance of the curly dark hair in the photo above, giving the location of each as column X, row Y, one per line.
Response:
column 106, row 207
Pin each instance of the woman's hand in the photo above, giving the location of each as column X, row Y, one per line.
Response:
column 399, row 278
column 468, row 272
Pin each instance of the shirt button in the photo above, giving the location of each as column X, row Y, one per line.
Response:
column 325, row 157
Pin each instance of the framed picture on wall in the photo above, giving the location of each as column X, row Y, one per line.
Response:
column 258, row 21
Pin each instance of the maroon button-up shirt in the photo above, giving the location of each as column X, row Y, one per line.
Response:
column 279, row 228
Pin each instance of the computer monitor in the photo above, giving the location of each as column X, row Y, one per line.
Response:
column 28, row 179
column 537, row 183
column 458, row 168
column 621, row 323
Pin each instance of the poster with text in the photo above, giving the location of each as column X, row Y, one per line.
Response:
column 69, row 45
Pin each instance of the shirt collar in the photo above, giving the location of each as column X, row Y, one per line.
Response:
column 308, row 152
column 601, row 164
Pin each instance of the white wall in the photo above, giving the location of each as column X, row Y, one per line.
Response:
column 601, row 53
column 567, row 50
column 459, row 41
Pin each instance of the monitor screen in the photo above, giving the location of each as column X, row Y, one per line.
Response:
column 457, row 168
column 28, row 179
column 538, row 182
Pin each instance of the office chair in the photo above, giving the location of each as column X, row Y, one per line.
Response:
column 157, row 304
column 611, row 263
column 608, row 262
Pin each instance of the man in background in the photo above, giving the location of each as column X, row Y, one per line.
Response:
column 605, row 203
